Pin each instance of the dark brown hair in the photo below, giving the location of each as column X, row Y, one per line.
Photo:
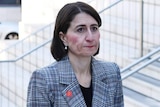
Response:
column 63, row 20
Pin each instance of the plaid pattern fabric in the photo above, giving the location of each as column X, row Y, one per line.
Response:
column 56, row 86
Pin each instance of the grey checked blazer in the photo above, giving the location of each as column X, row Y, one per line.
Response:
column 48, row 86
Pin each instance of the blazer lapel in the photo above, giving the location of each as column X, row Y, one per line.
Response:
column 73, row 95
column 102, row 92
column 71, row 92
column 102, row 88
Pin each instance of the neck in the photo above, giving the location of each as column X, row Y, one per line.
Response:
column 81, row 65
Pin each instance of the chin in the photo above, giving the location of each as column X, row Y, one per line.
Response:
column 89, row 54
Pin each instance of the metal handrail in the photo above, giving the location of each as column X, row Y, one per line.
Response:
column 141, row 59
column 109, row 6
column 90, row 1
column 146, row 57
column 32, row 34
column 25, row 54
column 140, row 67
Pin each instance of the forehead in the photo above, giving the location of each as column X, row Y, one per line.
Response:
column 83, row 19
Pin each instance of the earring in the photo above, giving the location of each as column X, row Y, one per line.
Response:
column 65, row 47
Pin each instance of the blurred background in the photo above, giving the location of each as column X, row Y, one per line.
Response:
column 130, row 36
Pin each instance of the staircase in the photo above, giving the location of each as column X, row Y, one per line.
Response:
column 141, row 89
column 141, row 81
column 19, row 61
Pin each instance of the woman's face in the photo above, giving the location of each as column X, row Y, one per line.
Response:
column 82, row 37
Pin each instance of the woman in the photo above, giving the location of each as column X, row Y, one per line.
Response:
column 76, row 79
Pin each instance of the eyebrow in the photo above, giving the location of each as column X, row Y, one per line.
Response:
column 85, row 25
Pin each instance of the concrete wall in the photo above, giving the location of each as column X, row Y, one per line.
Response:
column 42, row 12
column 10, row 13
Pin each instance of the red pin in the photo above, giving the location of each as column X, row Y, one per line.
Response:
column 69, row 93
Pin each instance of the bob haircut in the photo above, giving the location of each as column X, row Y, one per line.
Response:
column 63, row 20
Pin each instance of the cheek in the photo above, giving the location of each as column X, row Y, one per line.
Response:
column 73, row 40
column 97, row 37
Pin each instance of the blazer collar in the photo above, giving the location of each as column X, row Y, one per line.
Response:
column 101, row 89
column 67, row 74
column 98, row 70
column 67, row 77
column 101, row 86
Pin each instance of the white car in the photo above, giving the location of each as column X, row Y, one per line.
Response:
column 9, row 30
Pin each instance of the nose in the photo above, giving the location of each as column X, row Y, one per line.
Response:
column 89, row 35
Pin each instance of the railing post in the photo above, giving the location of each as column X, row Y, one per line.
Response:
column 141, row 27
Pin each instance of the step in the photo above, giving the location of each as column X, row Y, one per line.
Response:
column 25, row 66
column 21, row 48
column 117, row 47
column 3, row 45
column 14, row 83
column 135, row 99
column 129, row 28
column 119, row 53
column 152, row 70
column 4, row 102
column 42, row 57
column 144, row 84
column 13, row 97
column 37, row 59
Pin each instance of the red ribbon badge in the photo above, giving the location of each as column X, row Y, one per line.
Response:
column 69, row 93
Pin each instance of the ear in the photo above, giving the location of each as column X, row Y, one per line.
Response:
column 63, row 38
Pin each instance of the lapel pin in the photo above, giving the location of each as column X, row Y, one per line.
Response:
column 69, row 93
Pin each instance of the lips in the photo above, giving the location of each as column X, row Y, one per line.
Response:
column 89, row 46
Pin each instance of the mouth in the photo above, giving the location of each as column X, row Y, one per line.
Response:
column 90, row 46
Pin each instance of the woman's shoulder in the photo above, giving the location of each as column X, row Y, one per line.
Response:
column 46, row 70
column 110, row 67
column 104, row 63
column 52, row 68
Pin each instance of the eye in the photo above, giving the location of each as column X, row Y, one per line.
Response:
column 94, row 28
column 80, row 30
